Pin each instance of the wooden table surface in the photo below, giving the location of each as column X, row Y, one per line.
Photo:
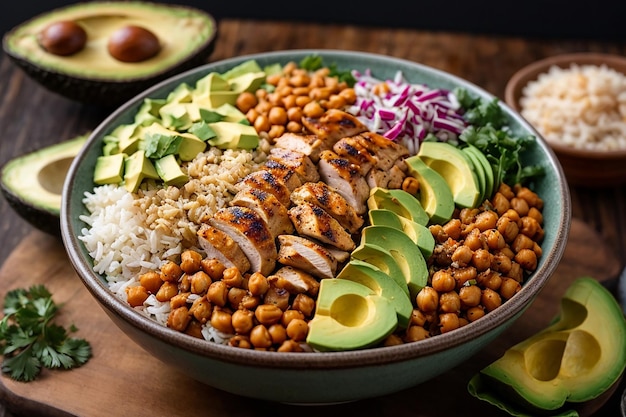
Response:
column 32, row 117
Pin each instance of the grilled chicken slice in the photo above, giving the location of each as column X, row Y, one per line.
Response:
column 320, row 194
column 310, row 145
column 344, row 177
column 284, row 173
column 222, row 247
column 353, row 151
column 295, row 281
column 299, row 162
column 391, row 178
column 333, row 125
column 386, row 152
column 267, row 206
column 268, row 182
column 252, row 235
column 307, row 255
column 313, row 221
column 340, row 255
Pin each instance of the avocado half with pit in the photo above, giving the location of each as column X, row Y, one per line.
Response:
column 84, row 69
column 577, row 359
column 32, row 183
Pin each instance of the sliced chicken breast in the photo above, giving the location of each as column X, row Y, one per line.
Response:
column 299, row 162
column 385, row 151
column 309, row 145
column 251, row 233
column 284, row 173
column 222, row 247
column 268, row 182
column 333, row 125
column 268, row 207
column 391, row 178
column 353, row 151
column 313, row 221
column 322, row 195
column 295, row 281
column 344, row 177
column 307, row 255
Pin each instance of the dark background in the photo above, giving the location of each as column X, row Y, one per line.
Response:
column 600, row 19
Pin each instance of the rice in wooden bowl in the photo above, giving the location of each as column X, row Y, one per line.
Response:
column 577, row 102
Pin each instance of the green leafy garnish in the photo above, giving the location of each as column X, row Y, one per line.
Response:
column 315, row 62
column 488, row 131
column 30, row 340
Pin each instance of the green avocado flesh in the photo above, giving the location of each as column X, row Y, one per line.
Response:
column 33, row 183
column 182, row 31
column 576, row 359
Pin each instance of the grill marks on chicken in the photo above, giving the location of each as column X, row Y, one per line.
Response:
column 316, row 184
column 222, row 247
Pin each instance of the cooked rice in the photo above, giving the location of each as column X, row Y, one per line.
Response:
column 583, row 106
column 130, row 234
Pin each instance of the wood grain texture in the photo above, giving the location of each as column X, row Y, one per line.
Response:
column 122, row 379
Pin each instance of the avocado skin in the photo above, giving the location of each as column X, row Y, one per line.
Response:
column 102, row 92
column 39, row 218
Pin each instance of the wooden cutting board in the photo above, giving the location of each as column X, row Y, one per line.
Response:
column 122, row 379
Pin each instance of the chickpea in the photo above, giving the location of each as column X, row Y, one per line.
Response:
column 262, row 123
column 167, row 291
column 232, row 277
column 522, row 242
column 448, row 322
column 462, row 255
column 240, row 341
column 527, row 259
column 277, row 296
column 506, row 191
column 151, row 281
column 410, row 185
column 171, row 272
column 481, row 259
column 289, row 315
column 428, row 299
column 222, row 321
column 500, row 203
column 257, row 284
column 277, row 116
column 494, row 239
column 509, row 288
column 449, row 302
column 462, row 275
column 304, row 303
column 250, row 301
column 443, row 281
column 200, row 282
column 531, row 198
column 246, row 101
column 297, row 330
column 418, row 318
column 294, row 113
column 135, row 296
column 178, row 319
column 190, row 261
column 213, row 268
column 529, row 226
column 415, row 334
column 486, row 220
column 242, row 321
column 194, row 329
column 534, row 213
column 289, row 346
column 501, row 262
column 490, row 299
column 520, row 206
column 260, row 337
column 467, row 215
column 268, row 314
column 278, row 333
column 507, row 228
column 473, row 240
column 217, row 293
column 393, row 340
column 276, row 131
column 201, row 309
column 453, row 229
column 179, row 300
column 349, row 95
column 252, row 115
column 235, row 296
column 474, row 313
column 294, row 127
column 313, row 109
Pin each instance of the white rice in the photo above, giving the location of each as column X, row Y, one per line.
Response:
column 583, row 106
column 130, row 234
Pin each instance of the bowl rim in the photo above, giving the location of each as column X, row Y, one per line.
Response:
column 314, row 360
column 530, row 72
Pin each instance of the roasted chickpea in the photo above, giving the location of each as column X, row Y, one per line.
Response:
column 136, row 295
column 133, row 44
column 63, row 38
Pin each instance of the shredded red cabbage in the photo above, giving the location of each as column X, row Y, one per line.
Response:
column 406, row 112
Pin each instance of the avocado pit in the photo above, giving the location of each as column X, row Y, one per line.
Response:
column 133, row 44
column 63, row 38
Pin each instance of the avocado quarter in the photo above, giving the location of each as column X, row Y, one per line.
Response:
column 92, row 75
column 32, row 183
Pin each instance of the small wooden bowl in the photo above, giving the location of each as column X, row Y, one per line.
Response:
column 593, row 168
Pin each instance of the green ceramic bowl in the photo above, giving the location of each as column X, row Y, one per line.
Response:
column 315, row 378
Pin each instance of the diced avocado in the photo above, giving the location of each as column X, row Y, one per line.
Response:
column 243, row 68
column 32, row 184
column 214, row 99
column 109, row 169
column 434, row 193
column 383, row 260
column 234, row 135
column 418, row 233
column 490, row 185
column 231, row 113
column 400, row 202
column 381, row 284
column 148, row 113
column 169, row 171
column 179, row 116
column 138, row 167
column 349, row 316
column 183, row 93
column 190, row 147
column 455, row 168
column 575, row 359
column 211, row 82
column 128, row 140
column 406, row 253
column 110, row 145
column 249, row 81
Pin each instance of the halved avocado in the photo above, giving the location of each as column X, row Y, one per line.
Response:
column 32, row 183
column 186, row 36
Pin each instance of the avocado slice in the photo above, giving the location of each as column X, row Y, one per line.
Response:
column 383, row 260
column 109, row 169
column 32, row 183
column 349, row 316
column 92, row 75
column 400, row 202
column 234, row 135
column 575, row 359
column 490, row 182
column 169, row 171
column 138, row 167
column 418, row 233
column 382, row 284
column 406, row 253
column 434, row 193
column 456, row 168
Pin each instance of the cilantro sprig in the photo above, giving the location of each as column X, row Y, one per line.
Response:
column 30, row 340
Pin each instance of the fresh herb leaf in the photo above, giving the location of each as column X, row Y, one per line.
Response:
column 29, row 340
column 315, row 62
